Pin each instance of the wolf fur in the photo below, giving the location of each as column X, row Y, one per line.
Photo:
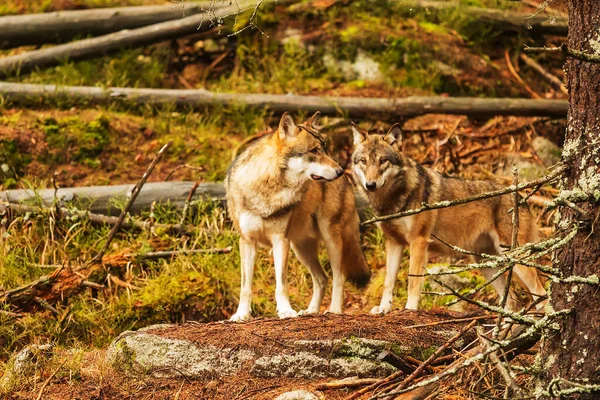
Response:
column 285, row 191
column 394, row 183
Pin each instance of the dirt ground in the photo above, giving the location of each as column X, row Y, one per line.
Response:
column 417, row 329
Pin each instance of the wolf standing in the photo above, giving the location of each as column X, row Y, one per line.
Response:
column 394, row 183
column 284, row 191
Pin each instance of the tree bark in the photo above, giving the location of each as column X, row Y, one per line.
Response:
column 572, row 353
column 95, row 47
column 61, row 26
column 384, row 109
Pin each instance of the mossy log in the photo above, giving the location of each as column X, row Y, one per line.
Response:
column 388, row 109
column 62, row 26
column 505, row 20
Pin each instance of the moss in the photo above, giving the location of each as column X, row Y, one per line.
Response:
column 12, row 162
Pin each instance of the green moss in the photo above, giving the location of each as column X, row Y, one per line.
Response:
column 12, row 163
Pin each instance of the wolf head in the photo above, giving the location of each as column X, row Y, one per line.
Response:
column 376, row 158
column 304, row 151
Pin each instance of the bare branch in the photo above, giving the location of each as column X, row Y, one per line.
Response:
column 567, row 51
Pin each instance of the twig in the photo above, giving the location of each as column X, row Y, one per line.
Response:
column 346, row 383
column 449, row 321
column 155, row 255
column 183, row 166
column 44, row 304
column 514, row 73
column 134, row 193
column 409, row 379
column 567, row 51
column 47, row 381
column 514, row 245
column 485, row 341
column 93, row 285
column 554, row 81
column 451, row 203
column 10, row 314
column 186, row 205
column 514, row 316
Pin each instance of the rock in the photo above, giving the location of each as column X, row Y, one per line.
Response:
column 23, row 366
column 528, row 168
column 141, row 352
column 363, row 68
column 292, row 36
column 297, row 395
column 547, row 151
column 306, row 365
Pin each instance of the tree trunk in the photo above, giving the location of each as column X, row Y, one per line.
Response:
column 572, row 353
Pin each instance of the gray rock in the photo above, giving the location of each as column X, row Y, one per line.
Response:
column 147, row 352
column 528, row 168
column 547, row 151
column 297, row 395
column 163, row 357
column 23, row 366
column 306, row 365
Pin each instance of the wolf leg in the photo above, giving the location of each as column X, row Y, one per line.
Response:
column 281, row 250
column 393, row 259
column 530, row 278
column 500, row 286
column 307, row 253
column 248, row 256
column 334, row 251
column 418, row 258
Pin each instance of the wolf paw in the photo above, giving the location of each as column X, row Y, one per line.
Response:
column 308, row 311
column 287, row 314
column 378, row 310
column 240, row 317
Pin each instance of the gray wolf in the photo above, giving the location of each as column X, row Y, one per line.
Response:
column 393, row 183
column 285, row 191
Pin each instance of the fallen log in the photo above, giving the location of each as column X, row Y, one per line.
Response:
column 355, row 107
column 101, row 45
column 539, row 23
column 62, row 26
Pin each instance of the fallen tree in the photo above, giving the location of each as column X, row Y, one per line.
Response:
column 101, row 45
column 61, row 26
column 355, row 107
column 536, row 22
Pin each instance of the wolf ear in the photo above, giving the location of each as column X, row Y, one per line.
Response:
column 394, row 135
column 287, row 127
column 359, row 136
column 312, row 120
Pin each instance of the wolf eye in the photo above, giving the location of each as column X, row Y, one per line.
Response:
column 383, row 161
column 315, row 150
column 363, row 160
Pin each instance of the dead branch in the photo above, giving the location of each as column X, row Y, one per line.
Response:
column 566, row 51
column 410, row 379
column 99, row 219
column 451, row 203
column 346, row 383
column 384, row 109
column 554, row 81
column 134, row 193
column 61, row 26
column 102, row 45
column 156, row 255
column 485, row 342
column 514, row 73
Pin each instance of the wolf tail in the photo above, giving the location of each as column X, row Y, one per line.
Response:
column 354, row 265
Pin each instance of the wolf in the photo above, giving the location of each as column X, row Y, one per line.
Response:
column 393, row 183
column 285, row 191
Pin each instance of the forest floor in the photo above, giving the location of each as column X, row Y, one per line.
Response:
column 325, row 50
